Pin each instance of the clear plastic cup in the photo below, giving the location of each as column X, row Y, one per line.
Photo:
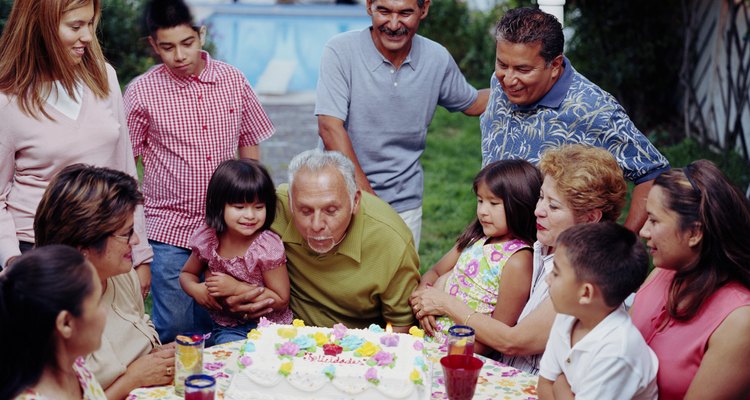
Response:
column 188, row 359
column 200, row 387
column 461, row 340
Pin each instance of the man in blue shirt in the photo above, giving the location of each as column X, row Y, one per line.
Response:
column 539, row 101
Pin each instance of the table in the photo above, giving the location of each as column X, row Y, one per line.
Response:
column 497, row 381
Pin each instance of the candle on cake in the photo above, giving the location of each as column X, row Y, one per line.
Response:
column 390, row 339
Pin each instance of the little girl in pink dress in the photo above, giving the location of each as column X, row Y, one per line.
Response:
column 238, row 249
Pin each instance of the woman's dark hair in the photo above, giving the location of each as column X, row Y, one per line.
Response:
column 33, row 291
column 518, row 183
column 704, row 199
column 84, row 205
column 239, row 181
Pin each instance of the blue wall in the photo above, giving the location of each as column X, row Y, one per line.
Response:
column 249, row 36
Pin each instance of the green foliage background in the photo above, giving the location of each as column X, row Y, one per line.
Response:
column 119, row 33
column 632, row 49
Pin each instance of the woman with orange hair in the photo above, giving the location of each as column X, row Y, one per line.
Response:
column 60, row 104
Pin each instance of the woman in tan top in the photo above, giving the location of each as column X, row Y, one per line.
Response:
column 91, row 209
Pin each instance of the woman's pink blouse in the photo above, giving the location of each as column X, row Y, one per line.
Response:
column 680, row 346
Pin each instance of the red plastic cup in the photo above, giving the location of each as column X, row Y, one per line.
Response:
column 461, row 372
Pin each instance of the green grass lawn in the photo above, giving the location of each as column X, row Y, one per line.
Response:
column 451, row 160
column 453, row 157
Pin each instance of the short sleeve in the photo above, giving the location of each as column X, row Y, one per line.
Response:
column 256, row 126
column 203, row 242
column 333, row 91
column 637, row 156
column 549, row 368
column 268, row 250
column 456, row 94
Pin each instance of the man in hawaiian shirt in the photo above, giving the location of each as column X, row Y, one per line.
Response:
column 539, row 101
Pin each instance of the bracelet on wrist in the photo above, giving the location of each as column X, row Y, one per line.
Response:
column 471, row 314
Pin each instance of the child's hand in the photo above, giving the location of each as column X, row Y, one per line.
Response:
column 204, row 298
column 222, row 285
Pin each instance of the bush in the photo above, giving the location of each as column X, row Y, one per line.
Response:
column 468, row 35
column 631, row 49
column 122, row 39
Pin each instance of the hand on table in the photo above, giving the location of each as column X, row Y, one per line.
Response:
column 155, row 368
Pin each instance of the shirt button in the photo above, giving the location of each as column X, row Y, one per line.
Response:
column 395, row 83
column 567, row 360
column 393, row 71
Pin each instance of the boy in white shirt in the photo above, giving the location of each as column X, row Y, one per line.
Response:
column 593, row 346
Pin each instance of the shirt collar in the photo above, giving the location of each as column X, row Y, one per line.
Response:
column 376, row 60
column 557, row 92
column 593, row 340
column 208, row 75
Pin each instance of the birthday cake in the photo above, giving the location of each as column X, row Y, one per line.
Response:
column 297, row 362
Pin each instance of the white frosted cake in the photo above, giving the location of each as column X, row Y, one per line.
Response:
column 296, row 362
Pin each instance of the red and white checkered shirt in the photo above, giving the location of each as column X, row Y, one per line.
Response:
column 183, row 127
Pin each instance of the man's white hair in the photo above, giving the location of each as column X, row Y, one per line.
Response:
column 316, row 160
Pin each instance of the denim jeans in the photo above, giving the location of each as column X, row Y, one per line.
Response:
column 225, row 334
column 174, row 311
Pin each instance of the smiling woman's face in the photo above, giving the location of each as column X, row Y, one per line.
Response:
column 667, row 243
column 77, row 31
column 116, row 256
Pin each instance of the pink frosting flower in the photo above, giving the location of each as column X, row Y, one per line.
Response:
column 263, row 322
column 288, row 349
column 383, row 358
column 246, row 361
column 418, row 345
column 339, row 331
column 371, row 375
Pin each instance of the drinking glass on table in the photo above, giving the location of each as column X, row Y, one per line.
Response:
column 200, row 387
column 188, row 359
column 461, row 340
column 461, row 373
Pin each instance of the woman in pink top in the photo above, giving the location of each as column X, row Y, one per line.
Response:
column 60, row 104
column 694, row 310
